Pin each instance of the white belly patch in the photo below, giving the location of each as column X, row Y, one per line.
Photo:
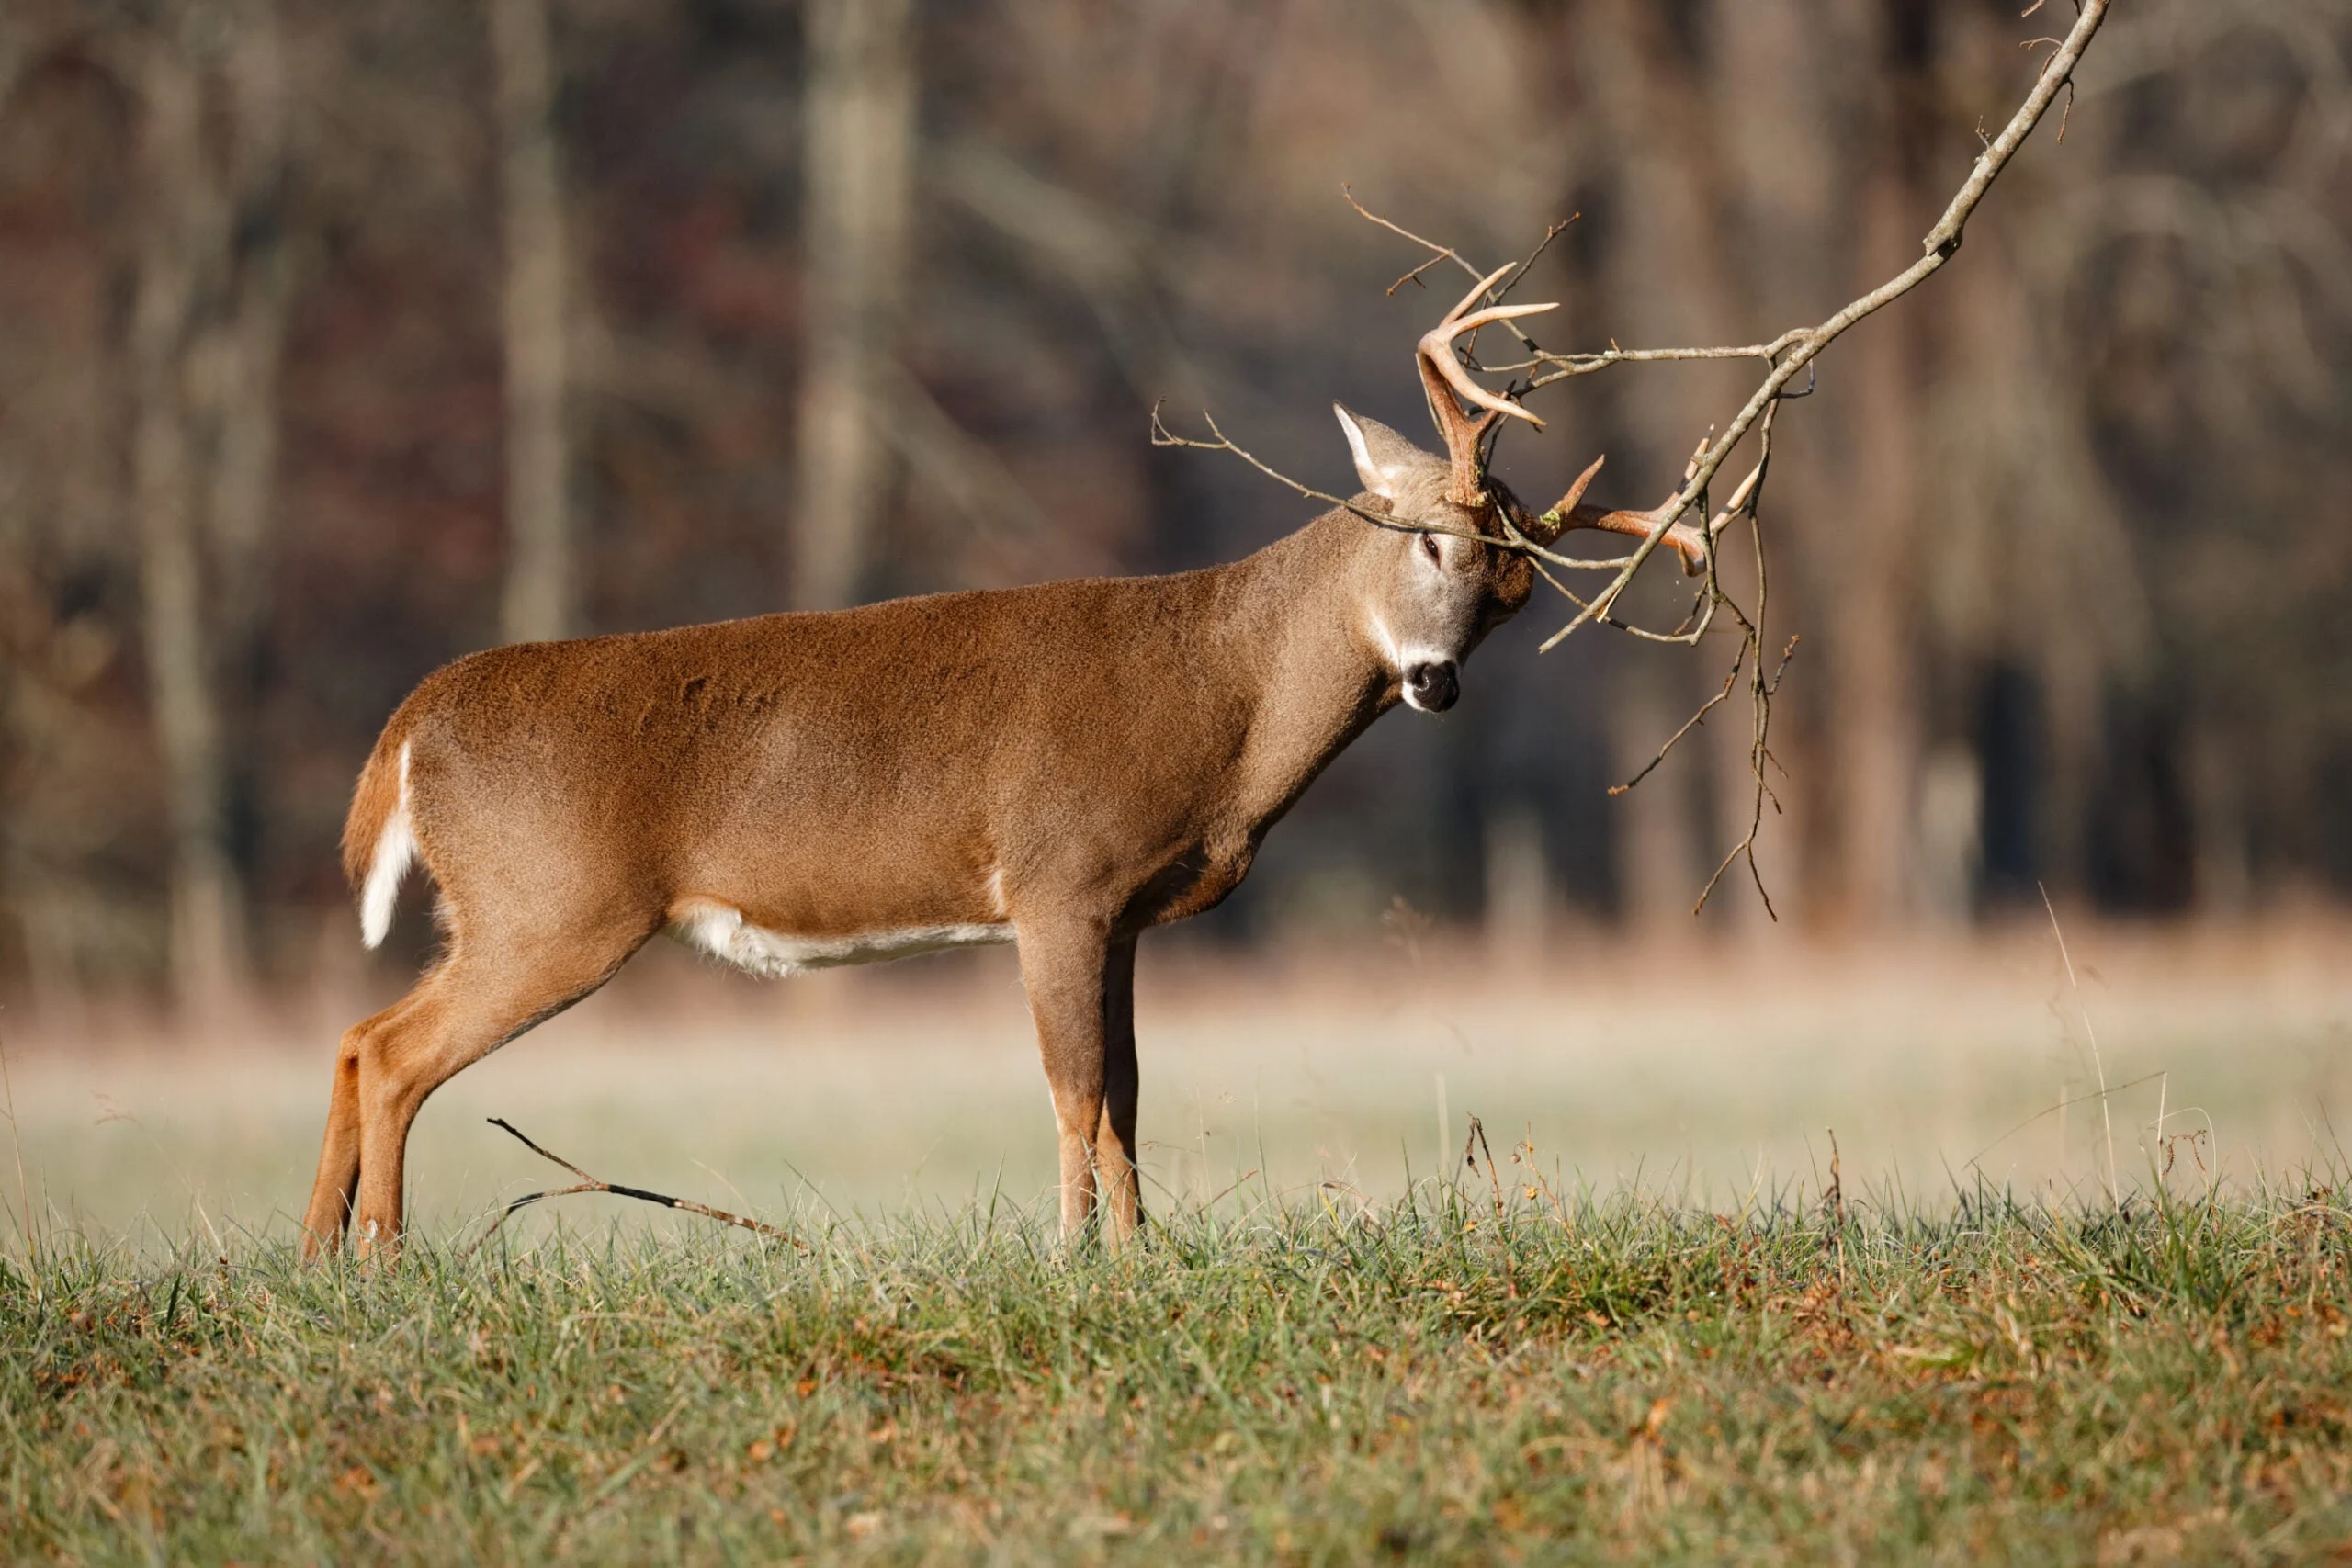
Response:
column 720, row 930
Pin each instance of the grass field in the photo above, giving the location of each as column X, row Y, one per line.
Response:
column 1322, row 1382
column 2025, row 1338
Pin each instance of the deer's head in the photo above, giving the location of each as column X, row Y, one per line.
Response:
column 1431, row 586
column 1448, row 564
column 1439, row 578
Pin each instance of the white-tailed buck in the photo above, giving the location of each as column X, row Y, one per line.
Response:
column 1062, row 767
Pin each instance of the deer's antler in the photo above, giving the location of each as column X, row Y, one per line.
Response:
column 1571, row 511
column 1442, row 377
column 1682, row 538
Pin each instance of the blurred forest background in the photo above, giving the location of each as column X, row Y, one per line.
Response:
column 338, row 340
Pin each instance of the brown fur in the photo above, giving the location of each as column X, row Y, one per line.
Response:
column 1082, row 760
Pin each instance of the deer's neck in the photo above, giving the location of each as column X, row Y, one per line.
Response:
column 1316, row 677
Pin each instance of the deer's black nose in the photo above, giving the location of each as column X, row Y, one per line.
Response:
column 1432, row 687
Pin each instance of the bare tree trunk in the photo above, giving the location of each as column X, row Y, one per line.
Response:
column 250, row 343
column 239, row 350
column 542, row 595
column 857, row 176
column 1877, row 743
column 244, row 491
column 206, row 930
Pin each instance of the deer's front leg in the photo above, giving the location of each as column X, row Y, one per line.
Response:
column 1115, row 1176
column 1066, row 968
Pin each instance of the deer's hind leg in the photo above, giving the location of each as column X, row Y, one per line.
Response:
column 329, row 1213
column 489, row 988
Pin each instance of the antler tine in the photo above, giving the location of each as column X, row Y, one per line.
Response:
column 1438, row 346
column 1571, row 512
column 1567, row 503
column 1477, row 292
column 1501, row 313
column 1444, row 379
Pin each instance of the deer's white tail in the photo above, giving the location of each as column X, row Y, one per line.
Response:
column 392, row 852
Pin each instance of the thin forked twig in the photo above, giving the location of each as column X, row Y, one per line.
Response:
column 1447, row 253
column 1163, row 436
column 1759, row 757
column 1437, row 252
column 591, row 1184
column 1731, row 679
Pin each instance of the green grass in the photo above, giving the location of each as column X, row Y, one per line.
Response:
column 1305, row 1381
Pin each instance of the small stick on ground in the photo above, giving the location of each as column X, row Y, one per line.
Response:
column 1834, row 1201
column 1478, row 1137
column 591, row 1184
column 1834, row 1198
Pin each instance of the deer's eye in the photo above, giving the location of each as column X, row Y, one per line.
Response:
column 1429, row 549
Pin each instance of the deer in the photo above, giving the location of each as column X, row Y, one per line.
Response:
column 1062, row 766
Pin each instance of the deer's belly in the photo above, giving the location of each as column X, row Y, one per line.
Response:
column 720, row 930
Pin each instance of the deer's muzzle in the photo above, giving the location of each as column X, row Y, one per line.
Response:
column 1432, row 687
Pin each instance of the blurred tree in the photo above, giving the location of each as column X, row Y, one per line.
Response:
column 1873, row 675
column 206, row 320
column 235, row 367
column 70, row 724
column 857, row 193
column 541, row 601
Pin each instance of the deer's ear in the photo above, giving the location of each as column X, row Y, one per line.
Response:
column 1380, row 463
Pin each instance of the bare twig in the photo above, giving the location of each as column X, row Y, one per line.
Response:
column 1696, row 719
column 588, row 1183
column 1447, row 253
column 1565, row 365
column 1759, row 755
column 1163, row 436
column 1437, row 252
